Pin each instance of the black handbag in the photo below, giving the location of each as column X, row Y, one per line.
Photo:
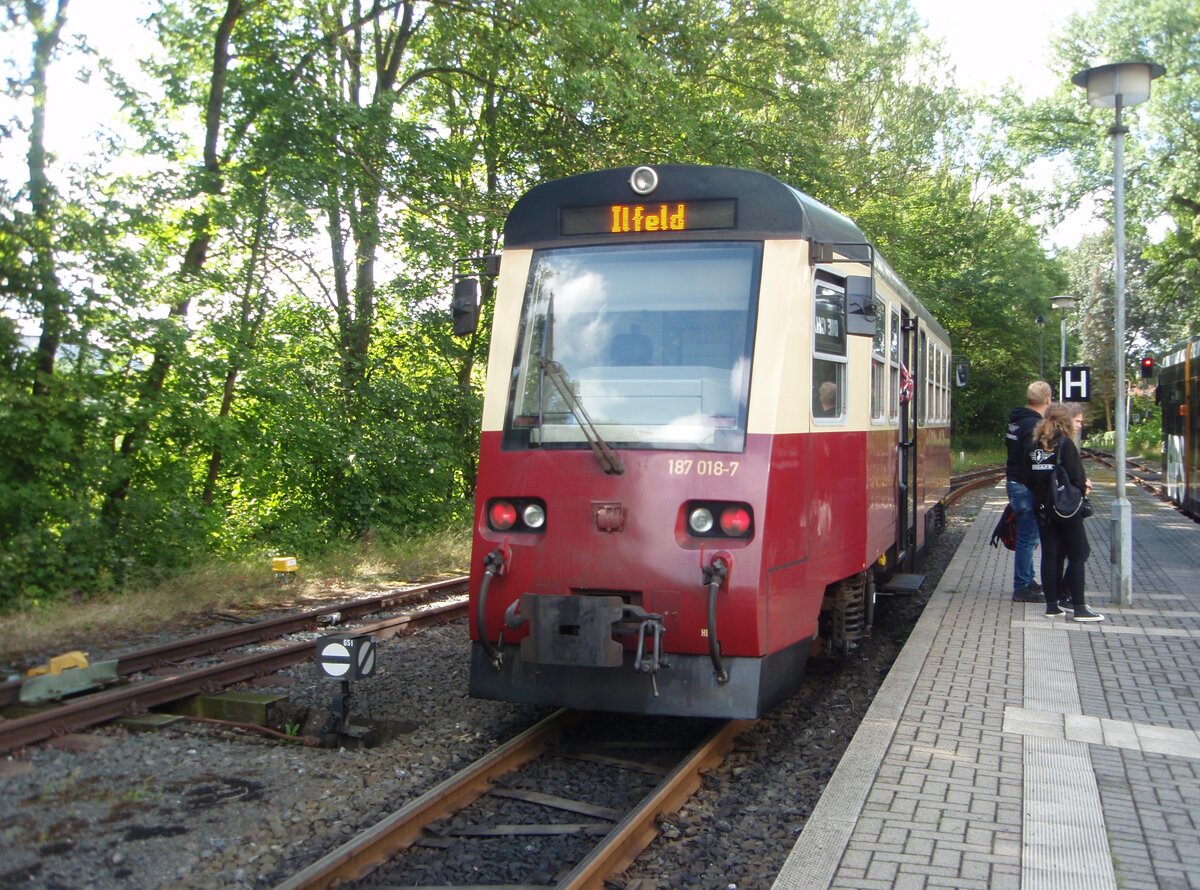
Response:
column 1085, row 508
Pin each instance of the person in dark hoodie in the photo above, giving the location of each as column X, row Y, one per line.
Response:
column 1019, row 438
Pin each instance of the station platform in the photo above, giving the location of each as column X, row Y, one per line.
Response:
column 1008, row 749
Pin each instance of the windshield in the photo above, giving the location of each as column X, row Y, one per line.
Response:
column 654, row 341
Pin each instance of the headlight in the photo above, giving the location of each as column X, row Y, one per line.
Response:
column 644, row 180
column 534, row 515
column 700, row 520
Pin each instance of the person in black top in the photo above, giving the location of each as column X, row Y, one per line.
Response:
column 826, row 400
column 1018, row 437
column 1063, row 540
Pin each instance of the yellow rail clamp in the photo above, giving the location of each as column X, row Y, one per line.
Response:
column 52, row 687
column 60, row 663
column 284, row 564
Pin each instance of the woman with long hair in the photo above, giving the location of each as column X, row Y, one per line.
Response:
column 1064, row 541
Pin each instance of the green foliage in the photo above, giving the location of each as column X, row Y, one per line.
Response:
column 255, row 353
column 1144, row 438
column 1162, row 169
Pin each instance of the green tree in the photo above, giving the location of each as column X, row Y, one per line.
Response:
column 1162, row 156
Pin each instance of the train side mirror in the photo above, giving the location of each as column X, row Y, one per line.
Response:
column 860, row 305
column 960, row 373
column 465, row 303
column 464, row 306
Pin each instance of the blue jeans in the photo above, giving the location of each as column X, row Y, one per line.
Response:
column 1021, row 499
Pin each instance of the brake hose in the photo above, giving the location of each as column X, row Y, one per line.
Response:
column 491, row 565
column 714, row 576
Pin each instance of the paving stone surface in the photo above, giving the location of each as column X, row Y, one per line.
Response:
column 1007, row 749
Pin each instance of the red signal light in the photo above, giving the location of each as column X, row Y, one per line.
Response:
column 1147, row 366
column 502, row 516
column 735, row 521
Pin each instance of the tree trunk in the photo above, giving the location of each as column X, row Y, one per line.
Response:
column 49, row 292
column 249, row 322
column 194, row 259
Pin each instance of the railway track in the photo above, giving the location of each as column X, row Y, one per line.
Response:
column 223, row 640
column 624, row 834
column 965, row 482
column 1147, row 476
column 138, row 697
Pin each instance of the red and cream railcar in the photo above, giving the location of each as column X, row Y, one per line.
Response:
column 713, row 417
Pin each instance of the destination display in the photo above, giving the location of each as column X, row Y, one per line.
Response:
column 649, row 218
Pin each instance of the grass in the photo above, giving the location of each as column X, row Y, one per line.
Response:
column 239, row 587
column 972, row 456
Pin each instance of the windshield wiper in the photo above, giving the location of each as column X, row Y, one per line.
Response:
column 608, row 459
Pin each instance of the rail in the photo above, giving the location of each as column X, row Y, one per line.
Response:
column 137, row 698
column 223, row 640
column 361, row 855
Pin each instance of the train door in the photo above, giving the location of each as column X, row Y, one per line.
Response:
column 1191, row 424
column 1172, row 397
column 906, row 495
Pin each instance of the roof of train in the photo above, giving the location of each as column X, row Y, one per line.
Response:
column 767, row 207
column 1178, row 353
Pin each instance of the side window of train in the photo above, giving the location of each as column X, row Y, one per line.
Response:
column 945, row 378
column 829, row 347
column 934, row 410
column 930, row 391
column 920, row 392
column 931, row 405
column 879, row 368
column 894, row 361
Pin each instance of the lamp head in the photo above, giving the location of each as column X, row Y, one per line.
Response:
column 1129, row 80
column 1063, row 301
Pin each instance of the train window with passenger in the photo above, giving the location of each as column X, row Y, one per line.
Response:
column 647, row 345
column 829, row 348
column 879, row 389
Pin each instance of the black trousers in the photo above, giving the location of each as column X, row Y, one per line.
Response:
column 1064, row 552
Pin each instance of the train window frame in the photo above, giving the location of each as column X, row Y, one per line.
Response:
column 879, row 364
column 920, row 390
column 937, row 382
column 524, row 430
column 829, row 345
column 894, row 359
column 944, row 384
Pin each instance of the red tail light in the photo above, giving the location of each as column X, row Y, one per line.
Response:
column 517, row 514
column 502, row 515
column 718, row 519
column 735, row 521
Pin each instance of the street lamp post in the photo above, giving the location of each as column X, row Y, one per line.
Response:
column 1117, row 86
column 1063, row 303
column 1040, row 321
